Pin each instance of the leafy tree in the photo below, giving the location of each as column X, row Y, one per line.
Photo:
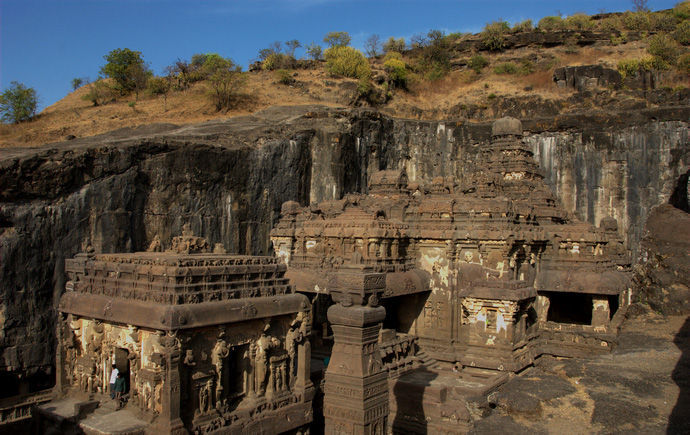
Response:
column 127, row 69
column 314, row 51
column 226, row 80
column 373, row 45
column 392, row 44
column 198, row 60
column 337, row 39
column 18, row 103
column 77, row 82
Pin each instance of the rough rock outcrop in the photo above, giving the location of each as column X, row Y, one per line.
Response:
column 663, row 276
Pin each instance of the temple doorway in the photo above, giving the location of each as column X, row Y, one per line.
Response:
column 121, row 360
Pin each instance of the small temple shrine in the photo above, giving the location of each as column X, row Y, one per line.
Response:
column 207, row 341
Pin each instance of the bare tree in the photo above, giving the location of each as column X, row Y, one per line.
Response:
column 640, row 5
column 292, row 45
column 373, row 45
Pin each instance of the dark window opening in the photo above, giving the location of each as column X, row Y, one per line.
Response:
column 613, row 305
column 574, row 308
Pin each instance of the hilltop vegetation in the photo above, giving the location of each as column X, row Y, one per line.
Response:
column 505, row 69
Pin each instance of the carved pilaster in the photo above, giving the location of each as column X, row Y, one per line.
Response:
column 356, row 390
column 170, row 420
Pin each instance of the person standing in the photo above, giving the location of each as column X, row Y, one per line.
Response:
column 119, row 389
column 113, row 378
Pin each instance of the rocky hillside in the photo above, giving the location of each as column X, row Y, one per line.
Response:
column 594, row 65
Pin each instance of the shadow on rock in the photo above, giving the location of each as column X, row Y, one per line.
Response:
column 409, row 391
column 679, row 420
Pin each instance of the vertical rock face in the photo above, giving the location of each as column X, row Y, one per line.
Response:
column 228, row 180
column 620, row 173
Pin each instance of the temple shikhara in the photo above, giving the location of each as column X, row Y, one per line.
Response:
column 380, row 312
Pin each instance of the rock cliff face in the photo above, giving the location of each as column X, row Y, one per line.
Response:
column 229, row 178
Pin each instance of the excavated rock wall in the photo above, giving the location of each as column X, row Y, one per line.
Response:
column 228, row 180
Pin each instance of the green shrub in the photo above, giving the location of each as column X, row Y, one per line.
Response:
column 127, row 69
column 18, row 103
column 347, row 62
column 637, row 21
column 337, row 39
column 613, row 23
column 663, row 47
column 397, row 45
column 506, row 68
column 684, row 63
column 493, row 35
column 276, row 61
column 619, row 39
column 523, row 26
column 284, row 77
column 161, row 86
column 663, row 22
column 579, row 22
column 682, row 10
column 158, row 85
column 523, row 68
column 396, row 70
column 631, row 67
column 491, row 96
column 549, row 24
column 477, row 63
column 99, row 93
column 682, row 33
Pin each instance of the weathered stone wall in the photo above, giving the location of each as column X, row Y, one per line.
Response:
column 228, row 180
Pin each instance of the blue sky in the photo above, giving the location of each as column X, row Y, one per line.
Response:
column 45, row 44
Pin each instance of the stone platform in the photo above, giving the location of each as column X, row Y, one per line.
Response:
column 96, row 417
column 432, row 400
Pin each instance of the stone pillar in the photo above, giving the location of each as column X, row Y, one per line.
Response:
column 600, row 311
column 170, row 421
column 356, row 390
column 61, row 363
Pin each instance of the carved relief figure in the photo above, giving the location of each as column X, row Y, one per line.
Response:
column 293, row 337
column 263, row 345
column 218, row 354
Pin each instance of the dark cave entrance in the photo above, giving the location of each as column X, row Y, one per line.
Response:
column 573, row 308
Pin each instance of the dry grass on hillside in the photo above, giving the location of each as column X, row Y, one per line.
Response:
column 72, row 116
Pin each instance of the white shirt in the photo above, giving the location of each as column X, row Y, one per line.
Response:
column 113, row 375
